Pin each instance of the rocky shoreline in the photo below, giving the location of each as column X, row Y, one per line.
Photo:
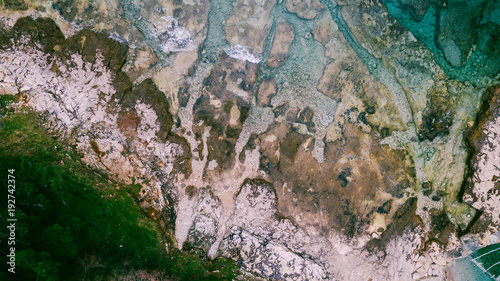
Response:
column 309, row 143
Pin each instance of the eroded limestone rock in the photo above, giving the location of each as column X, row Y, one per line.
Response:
column 249, row 24
column 208, row 212
column 267, row 89
column 283, row 37
column 343, row 163
column 224, row 105
column 76, row 89
column 483, row 188
column 253, row 224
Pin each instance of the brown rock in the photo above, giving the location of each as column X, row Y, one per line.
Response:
column 128, row 122
column 148, row 93
column 283, row 37
column 329, row 192
column 139, row 61
column 403, row 219
column 16, row 5
column 224, row 105
column 482, row 186
column 41, row 30
column 325, row 31
column 349, row 81
column 182, row 164
column 267, row 90
column 437, row 117
column 308, row 9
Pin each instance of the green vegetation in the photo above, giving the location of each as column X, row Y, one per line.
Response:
column 75, row 224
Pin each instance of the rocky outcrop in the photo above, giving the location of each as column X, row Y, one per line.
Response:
column 42, row 30
column 283, row 37
column 482, row 190
column 207, row 214
column 223, row 105
column 304, row 9
column 86, row 99
column 147, row 94
column 340, row 156
column 267, row 89
column 255, row 237
column 249, row 25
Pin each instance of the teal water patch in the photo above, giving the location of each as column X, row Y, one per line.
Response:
column 491, row 13
column 488, row 258
column 219, row 12
column 451, row 33
column 465, row 270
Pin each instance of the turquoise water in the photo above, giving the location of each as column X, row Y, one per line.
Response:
column 472, row 20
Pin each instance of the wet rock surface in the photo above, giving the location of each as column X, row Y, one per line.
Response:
column 307, row 140
column 254, row 222
column 223, row 105
column 304, row 9
column 458, row 27
column 283, row 37
column 249, row 24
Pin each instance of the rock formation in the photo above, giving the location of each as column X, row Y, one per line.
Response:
column 306, row 140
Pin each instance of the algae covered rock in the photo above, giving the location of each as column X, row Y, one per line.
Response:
column 88, row 44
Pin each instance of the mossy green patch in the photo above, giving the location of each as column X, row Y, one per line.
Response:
column 16, row 5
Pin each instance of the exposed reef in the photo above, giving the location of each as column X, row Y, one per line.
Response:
column 306, row 140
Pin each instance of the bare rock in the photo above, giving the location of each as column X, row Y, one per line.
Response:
column 304, row 9
column 255, row 237
column 41, row 30
column 267, row 90
column 283, row 37
column 347, row 79
column 147, row 93
column 483, row 187
column 208, row 211
column 325, row 30
column 249, row 24
column 224, row 105
column 326, row 193
column 88, row 43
